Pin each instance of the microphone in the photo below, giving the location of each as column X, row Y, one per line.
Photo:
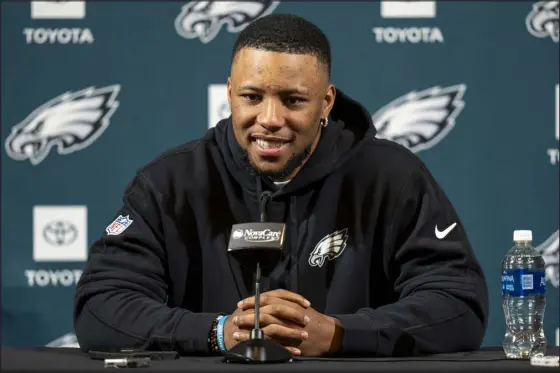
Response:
column 258, row 245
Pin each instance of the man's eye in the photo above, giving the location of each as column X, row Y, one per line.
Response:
column 250, row 97
column 295, row 101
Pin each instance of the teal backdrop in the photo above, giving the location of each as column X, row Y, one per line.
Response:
column 91, row 91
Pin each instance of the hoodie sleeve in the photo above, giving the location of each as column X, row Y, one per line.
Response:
column 120, row 299
column 442, row 293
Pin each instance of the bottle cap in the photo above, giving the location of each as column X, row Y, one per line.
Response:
column 523, row 235
column 545, row 361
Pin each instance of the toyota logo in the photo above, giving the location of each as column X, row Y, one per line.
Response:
column 60, row 233
column 237, row 234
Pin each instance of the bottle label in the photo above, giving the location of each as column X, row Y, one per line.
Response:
column 518, row 282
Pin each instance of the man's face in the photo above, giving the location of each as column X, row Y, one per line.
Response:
column 277, row 101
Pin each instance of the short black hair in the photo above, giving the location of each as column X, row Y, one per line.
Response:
column 286, row 33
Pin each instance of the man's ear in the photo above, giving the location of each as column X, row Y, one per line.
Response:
column 328, row 101
column 228, row 85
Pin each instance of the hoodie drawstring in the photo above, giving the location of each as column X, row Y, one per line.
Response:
column 259, row 189
column 294, row 249
column 264, row 197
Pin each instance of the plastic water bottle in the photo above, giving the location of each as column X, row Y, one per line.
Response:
column 523, row 298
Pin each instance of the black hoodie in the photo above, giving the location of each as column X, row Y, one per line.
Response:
column 363, row 218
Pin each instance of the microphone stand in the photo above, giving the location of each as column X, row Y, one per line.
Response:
column 256, row 332
column 257, row 349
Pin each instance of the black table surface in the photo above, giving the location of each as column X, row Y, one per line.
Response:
column 491, row 359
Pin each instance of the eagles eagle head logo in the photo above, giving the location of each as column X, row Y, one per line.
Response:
column 330, row 247
column 419, row 120
column 543, row 20
column 204, row 19
column 549, row 251
column 71, row 121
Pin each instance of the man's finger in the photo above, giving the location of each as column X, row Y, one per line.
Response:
column 283, row 333
column 247, row 321
column 242, row 336
column 267, row 299
column 278, row 333
column 285, row 312
column 282, row 309
column 293, row 350
column 279, row 293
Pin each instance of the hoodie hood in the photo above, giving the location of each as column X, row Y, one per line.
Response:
column 350, row 127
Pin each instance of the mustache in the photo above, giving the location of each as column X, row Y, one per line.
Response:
column 295, row 161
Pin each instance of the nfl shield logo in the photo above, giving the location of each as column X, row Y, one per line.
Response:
column 118, row 225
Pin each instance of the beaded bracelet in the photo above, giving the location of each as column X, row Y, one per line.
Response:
column 213, row 345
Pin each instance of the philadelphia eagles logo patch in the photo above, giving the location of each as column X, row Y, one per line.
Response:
column 330, row 247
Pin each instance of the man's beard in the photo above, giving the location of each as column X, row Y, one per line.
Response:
column 291, row 165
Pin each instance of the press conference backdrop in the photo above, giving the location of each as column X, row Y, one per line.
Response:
column 91, row 91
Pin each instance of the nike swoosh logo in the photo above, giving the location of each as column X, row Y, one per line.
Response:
column 442, row 234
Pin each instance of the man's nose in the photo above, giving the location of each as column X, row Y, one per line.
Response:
column 271, row 116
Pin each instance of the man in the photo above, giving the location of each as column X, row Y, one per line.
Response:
column 365, row 269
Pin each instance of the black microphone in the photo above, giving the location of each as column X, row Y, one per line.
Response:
column 258, row 245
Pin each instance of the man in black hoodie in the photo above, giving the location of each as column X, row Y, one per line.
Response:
column 376, row 261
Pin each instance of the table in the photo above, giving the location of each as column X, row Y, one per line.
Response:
column 491, row 359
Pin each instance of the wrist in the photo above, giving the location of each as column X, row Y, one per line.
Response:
column 221, row 334
column 216, row 343
column 228, row 335
column 337, row 335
